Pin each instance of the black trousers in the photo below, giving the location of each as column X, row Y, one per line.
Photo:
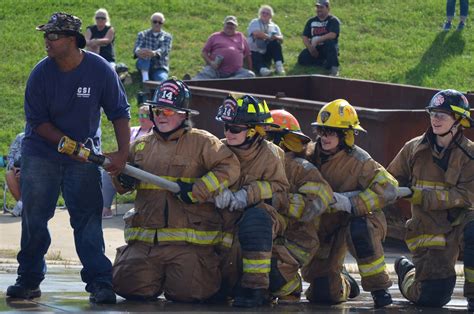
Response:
column 274, row 52
column 328, row 55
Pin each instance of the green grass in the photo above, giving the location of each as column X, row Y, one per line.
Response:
column 396, row 41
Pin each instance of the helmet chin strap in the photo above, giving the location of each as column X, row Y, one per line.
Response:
column 451, row 129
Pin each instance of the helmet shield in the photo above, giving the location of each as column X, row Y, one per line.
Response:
column 452, row 101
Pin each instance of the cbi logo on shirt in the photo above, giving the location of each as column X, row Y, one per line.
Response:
column 83, row 92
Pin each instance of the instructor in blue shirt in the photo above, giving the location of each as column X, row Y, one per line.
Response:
column 64, row 96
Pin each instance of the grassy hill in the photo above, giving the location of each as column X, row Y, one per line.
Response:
column 384, row 40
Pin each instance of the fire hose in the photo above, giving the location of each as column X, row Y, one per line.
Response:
column 70, row 147
column 401, row 192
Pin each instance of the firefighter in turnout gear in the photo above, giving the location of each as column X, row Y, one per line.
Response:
column 309, row 196
column 171, row 238
column 250, row 222
column 359, row 225
column 439, row 169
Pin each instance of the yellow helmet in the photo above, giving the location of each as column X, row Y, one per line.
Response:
column 338, row 114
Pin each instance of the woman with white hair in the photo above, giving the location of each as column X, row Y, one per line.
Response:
column 265, row 38
column 100, row 37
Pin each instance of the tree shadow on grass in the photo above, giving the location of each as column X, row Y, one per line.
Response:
column 441, row 50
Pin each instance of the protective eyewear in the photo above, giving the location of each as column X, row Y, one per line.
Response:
column 53, row 36
column 100, row 18
column 326, row 132
column 438, row 115
column 157, row 22
column 234, row 129
column 143, row 116
column 166, row 112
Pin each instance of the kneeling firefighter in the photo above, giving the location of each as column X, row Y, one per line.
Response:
column 171, row 238
column 361, row 226
column 439, row 168
column 250, row 222
column 309, row 196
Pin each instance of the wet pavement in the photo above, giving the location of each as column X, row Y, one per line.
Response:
column 63, row 291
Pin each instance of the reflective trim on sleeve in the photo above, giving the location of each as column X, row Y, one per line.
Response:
column 318, row 189
column 227, row 239
column 370, row 199
column 426, row 241
column 211, row 181
column 299, row 253
column 296, row 205
column 259, row 266
column 373, row 268
column 265, row 189
column 383, row 176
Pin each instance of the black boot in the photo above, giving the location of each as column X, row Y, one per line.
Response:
column 381, row 298
column 402, row 267
column 470, row 305
column 23, row 292
column 102, row 293
column 355, row 291
column 247, row 297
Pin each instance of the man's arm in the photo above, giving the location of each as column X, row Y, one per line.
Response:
column 119, row 158
column 248, row 60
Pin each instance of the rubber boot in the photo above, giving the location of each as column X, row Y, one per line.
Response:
column 402, row 267
column 355, row 291
column 247, row 297
column 381, row 298
column 470, row 305
column 23, row 292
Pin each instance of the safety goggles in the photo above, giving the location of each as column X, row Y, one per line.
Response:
column 326, row 132
column 234, row 129
column 165, row 111
column 142, row 115
column 54, row 36
column 439, row 115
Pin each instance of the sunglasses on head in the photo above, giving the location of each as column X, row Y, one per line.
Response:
column 234, row 129
column 322, row 131
column 100, row 18
column 165, row 111
column 54, row 36
column 143, row 115
column 157, row 22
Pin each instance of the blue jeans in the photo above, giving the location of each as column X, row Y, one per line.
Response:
column 155, row 74
column 41, row 182
column 451, row 6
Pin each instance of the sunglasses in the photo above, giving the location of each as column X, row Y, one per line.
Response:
column 326, row 132
column 53, row 36
column 166, row 112
column 100, row 18
column 234, row 129
column 442, row 116
column 143, row 115
column 157, row 22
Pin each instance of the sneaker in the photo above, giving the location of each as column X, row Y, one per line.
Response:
column 22, row 292
column 334, row 71
column 355, row 290
column 103, row 294
column 461, row 26
column 381, row 298
column 447, row 26
column 265, row 71
column 247, row 297
column 18, row 209
column 280, row 70
column 293, row 298
column 470, row 305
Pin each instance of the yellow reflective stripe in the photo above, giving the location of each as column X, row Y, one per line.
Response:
column 227, row 239
column 383, row 176
column 469, row 274
column 318, row 189
column 442, row 195
column 301, row 254
column 189, row 235
column 211, row 181
column 139, row 234
column 296, row 210
column 426, row 240
column 149, row 186
column 289, row 287
column 265, row 189
column 434, row 185
column 373, row 268
column 370, row 199
column 139, row 146
column 260, row 266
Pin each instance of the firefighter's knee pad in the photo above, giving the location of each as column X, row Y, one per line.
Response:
column 255, row 230
column 276, row 278
column 469, row 245
column 361, row 237
column 436, row 292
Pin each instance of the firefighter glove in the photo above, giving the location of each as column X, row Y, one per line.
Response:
column 223, row 199
column 342, row 203
column 127, row 182
column 239, row 200
column 185, row 193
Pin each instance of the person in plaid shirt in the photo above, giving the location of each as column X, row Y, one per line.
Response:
column 152, row 49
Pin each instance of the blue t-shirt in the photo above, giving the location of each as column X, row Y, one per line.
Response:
column 71, row 101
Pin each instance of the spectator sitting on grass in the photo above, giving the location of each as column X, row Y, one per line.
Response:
column 225, row 52
column 12, row 175
column 100, row 37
